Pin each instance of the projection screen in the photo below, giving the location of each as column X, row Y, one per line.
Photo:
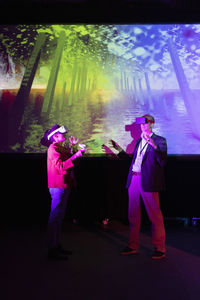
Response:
column 96, row 79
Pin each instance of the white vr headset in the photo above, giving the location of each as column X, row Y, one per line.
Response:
column 61, row 129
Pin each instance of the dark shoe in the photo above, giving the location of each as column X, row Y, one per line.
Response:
column 63, row 251
column 128, row 251
column 158, row 255
column 54, row 254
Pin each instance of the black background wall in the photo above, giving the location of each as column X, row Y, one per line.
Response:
column 100, row 190
column 98, row 11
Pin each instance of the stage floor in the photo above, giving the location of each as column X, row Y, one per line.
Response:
column 96, row 270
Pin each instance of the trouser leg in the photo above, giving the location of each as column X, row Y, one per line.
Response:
column 53, row 233
column 58, row 207
column 134, row 213
column 152, row 206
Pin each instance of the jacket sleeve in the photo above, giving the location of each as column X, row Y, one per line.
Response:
column 60, row 164
column 161, row 152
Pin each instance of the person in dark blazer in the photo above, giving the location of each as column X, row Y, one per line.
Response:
column 146, row 180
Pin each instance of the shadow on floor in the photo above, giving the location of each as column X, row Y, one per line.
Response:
column 96, row 270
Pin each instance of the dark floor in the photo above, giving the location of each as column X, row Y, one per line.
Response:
column 96, row 270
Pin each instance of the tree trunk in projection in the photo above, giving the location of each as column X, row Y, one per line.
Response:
column 83, row 80
column 89, row 83
column 117, row 83
column 30, row 70
column 121, row 81
column 71, row 92
column 193, row 110
column 17, row 111
column 135, row 90
column 149, row 94
column 125, row 80
column 78, row 84
column 127, row 84
column 113, row 60
column 94, row 82
column 141, row 92
column 62, row 98
column 48, row 99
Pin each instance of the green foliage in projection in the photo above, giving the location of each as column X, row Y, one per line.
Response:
column 84, row 45
column 83, row 73
column 18, row 41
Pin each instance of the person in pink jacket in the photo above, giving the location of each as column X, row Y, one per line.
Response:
column 60, row 180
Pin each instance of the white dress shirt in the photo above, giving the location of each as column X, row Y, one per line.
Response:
column 140, row 154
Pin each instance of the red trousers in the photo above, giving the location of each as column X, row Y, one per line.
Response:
column 151, row 203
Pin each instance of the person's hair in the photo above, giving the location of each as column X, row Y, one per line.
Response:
column 52, row 139
column 44, row 140
column 149, row 117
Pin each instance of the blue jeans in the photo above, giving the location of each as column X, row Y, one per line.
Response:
column 59, row 199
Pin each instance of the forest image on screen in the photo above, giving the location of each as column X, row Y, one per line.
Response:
column 96, row 79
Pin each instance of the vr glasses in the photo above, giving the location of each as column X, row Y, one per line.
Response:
column 61, row 129
column 143, row 120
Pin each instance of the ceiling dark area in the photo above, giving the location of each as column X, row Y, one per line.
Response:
column 101, row 11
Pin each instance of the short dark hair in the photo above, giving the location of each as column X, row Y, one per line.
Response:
column 52, row 139
column 149, row 117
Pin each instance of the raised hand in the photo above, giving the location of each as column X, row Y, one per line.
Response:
column 73, row 141
column 106, row 149
column 114, row 144
column 149, row 140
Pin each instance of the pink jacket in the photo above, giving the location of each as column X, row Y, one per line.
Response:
column 59, row 167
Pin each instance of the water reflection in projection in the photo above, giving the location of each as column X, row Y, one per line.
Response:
column 105, row 115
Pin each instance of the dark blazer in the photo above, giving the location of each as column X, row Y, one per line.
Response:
column 152, row 169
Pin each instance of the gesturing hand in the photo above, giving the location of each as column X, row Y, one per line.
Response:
column 106, row 149
column 77, row 154
column 149, row 140
column 115, row 145
column 73, row 140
